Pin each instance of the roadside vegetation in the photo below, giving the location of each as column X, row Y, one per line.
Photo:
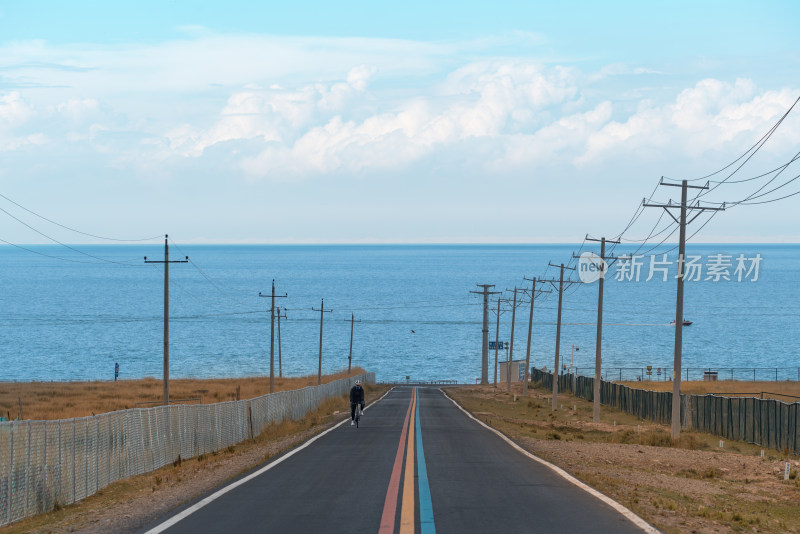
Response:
column 696, row 484
column 63, row 400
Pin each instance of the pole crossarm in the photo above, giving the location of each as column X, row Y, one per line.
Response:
column 538, row 291
column 503, row 310
column 610, row 259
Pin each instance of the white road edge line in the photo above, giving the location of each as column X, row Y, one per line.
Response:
column 219, row 493
column 635, row 519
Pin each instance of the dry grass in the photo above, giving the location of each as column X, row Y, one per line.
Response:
column 778, row 390
column 62, row 400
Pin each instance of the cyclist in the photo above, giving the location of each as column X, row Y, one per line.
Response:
column 356, row 398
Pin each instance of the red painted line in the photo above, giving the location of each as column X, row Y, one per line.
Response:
column 390, row 505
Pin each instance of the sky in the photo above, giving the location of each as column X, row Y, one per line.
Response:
column 420, row 122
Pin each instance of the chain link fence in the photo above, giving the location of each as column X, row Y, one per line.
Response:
column 766, row 422
column 45, row 464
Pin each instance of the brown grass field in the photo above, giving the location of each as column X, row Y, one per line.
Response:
column 786, row 391
column 63, row 400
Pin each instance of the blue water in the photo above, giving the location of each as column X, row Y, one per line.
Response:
column 73, row 320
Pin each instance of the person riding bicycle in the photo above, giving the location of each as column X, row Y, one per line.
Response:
column 356, row 398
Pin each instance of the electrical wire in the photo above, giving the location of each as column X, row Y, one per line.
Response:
column 127, row 264
column 754, row 149
column 73, row 229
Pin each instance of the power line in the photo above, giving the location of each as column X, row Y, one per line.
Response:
column 77, row 231
column 755, row 148
column 54, row 240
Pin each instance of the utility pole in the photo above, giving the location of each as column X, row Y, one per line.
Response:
column 497, row 337
column 166, row 263
column 272, row 335
column 485, row 347
column 534, row 294
column 598, row 355
column 511, row 344
column 322, row 311
column 280, row 360
column 558, row 325
column 350, row 358
column 676, row 380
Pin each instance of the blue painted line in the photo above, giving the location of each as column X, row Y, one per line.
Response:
column 426, row 524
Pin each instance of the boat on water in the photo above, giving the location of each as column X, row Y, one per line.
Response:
column 684, row 323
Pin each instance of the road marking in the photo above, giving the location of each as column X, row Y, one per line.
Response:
column 407, row 509
column 635, row 519
column 390, row 504
column 216, row 495
column 426, row 523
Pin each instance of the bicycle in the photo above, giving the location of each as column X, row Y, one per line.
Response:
column 357, row 417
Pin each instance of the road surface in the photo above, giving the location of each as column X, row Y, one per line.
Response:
column 464, row 479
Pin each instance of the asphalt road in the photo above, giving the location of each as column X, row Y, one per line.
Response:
column 342, row 482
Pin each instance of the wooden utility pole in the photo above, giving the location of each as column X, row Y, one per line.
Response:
column 558, row 326
column 272, row 335
column 280, row 360
column 322, row 311
column 166, row 263
column 350, row 357
column 497, row 340
column 676, row 380
column 511, row 344
column 485, row 346
column 598, row 355
column 534, row 293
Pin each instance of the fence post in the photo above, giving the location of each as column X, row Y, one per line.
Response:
column 60, row 467
column 250, row 419
column 74, row 459
column 96, row 454
column 44, row 466
column 10, row 471
column 86, row 458
column 27, row 470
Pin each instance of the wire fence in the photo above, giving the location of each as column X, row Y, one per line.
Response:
column 47, row 464
column 766, row 422
column 664, row 374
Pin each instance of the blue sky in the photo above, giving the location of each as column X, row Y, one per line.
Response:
column 311, row 122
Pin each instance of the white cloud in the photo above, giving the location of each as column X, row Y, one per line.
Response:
column 13, row 109
column 702, row 118
column 291, row 108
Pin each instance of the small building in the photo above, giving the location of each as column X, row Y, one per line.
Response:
column 516, row 369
